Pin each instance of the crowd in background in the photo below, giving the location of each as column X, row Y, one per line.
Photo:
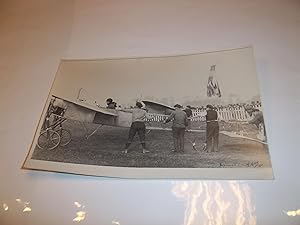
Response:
column 236, row 106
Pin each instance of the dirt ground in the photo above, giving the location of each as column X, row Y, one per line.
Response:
column 106, row 145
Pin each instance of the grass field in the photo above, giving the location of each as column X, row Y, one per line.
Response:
column 106, row 145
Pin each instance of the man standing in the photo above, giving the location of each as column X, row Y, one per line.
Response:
column 179, row 124
column 212, row 129
column 189, row 114
column 256, row 117
column 137, row 126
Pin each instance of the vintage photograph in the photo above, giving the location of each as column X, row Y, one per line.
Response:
column 196, row 116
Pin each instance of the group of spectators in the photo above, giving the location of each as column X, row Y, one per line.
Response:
column 181, row 123
column 236, row 106
column 181, row 119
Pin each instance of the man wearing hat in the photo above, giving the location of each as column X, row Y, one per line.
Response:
column 212, row 129
column 180, row 122
column 256, row 117
column 139, row 115
column 189, row 113
column 111, row 104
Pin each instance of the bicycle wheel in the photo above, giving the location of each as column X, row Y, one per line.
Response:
column 48, row 139
column 65, row 136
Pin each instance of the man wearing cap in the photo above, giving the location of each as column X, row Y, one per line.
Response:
column 189, row 114
column 212, row 129
column 111, row 104
column 180, row 122
column 138, row 125
column 256, row 117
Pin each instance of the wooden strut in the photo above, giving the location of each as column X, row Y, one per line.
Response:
column 87, row 135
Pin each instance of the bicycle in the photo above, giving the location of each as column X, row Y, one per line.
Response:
column 52, row 133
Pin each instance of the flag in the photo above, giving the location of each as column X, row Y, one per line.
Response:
column 212, row 84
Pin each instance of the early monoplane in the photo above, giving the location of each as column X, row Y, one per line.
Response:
column 85, row 111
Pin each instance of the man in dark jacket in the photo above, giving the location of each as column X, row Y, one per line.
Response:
column 179, row 124
column 189, row 114
column 212, row 129
column 256, row 117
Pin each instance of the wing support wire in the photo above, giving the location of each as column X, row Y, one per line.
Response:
column 87, row 135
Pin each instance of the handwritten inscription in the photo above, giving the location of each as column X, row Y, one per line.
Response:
column 255, row 164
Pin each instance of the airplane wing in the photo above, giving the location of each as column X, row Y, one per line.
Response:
column 110, row 112
column 85, row 112
column 158, row 108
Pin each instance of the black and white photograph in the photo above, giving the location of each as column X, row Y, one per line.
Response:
column 197, row 116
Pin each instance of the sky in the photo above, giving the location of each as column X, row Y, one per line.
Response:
column 174, row 79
